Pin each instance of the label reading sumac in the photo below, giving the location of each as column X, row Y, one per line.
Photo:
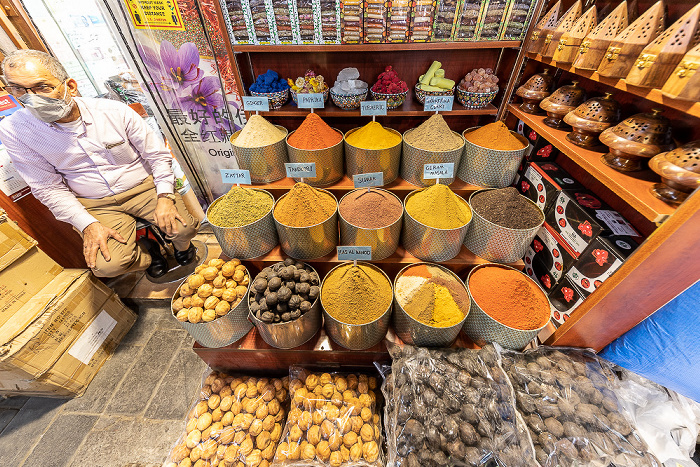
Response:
column 351, row 253
column 368, row 179
column 444, row 170
column 252, row 104
column 235, row 176
column 310, row 100
column 438, row 103
column 368, row 108
column 300, row 169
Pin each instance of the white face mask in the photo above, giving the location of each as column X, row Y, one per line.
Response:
column 48, row 109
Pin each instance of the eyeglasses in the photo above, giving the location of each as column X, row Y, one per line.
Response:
column 19, row 91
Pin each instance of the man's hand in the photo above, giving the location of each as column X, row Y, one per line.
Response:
column 166, row 216
column 95, row 238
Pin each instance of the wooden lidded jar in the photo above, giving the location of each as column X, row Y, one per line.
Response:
column 534, row 90
column 680, row 173
column 589, row 119
column 561, row 102
column 635, row 139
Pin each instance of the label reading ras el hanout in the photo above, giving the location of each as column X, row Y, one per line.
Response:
column 351, row 253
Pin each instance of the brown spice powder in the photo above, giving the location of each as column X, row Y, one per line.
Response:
column 304, row 206
column 433, row 135
column 370, row 209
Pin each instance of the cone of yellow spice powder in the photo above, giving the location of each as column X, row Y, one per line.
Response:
column 356, row 301
column 373, row 148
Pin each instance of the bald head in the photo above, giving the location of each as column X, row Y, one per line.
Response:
column 24, row 61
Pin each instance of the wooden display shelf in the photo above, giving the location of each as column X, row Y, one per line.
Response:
column 408, row 108
column 634, row 189
column 653, row 95
column 376, row 47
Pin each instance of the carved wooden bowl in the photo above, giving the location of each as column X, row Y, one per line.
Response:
column 534, row 90
column 561, row 102
column 589, row 119
column 680, row 173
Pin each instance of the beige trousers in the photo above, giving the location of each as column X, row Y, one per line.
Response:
column 119, row 212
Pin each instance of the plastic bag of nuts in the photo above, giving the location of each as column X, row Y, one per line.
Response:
column 332, row 421
column 452, row 407
column 236, row 421
column 567, row 400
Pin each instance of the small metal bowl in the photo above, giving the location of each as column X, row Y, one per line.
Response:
column 475, row 100
column 357, row 336
column 421, row 95
column 392, row 100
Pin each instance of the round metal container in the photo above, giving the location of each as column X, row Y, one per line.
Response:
column 247, row 241
column 495, row 243
column 329, row 161
column 414, row 159
column 357, row 336
column 360, row 161
column 413, row 332
column 292, row 333
column 383, row 240
column 490, row 167
column 266, row 163
column 309, row 242
column 481, row 328
column 222, row 331
column 429, row 243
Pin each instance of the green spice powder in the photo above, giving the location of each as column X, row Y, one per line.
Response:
column 239, row 207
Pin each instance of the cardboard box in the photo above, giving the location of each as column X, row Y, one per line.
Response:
column 541, row 182
column 549, row 258
column 61, row 337
column 540, row 150
column 564, row 298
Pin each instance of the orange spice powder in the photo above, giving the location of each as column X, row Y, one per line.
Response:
column 314, row 133
column 495, row 135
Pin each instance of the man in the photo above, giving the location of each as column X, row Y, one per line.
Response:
column 96, row 165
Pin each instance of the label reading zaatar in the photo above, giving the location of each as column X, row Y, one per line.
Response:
column 368, row 179
column 368, row 108
column 256, row 104
column 312, row 100
column 352, row 253
column 444, row 170
column 300, row 169
column 236, row 176
column 438, row 103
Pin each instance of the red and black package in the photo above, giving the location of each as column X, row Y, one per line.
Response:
column 546, row 259
column 542, row 181
column 564, row 298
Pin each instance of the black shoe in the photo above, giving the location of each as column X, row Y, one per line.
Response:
column 184, row 258
column 159, row 265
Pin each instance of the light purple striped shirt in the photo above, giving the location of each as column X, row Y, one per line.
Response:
column 115, row 151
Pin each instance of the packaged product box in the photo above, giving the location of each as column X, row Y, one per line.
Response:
column 62, row 336
column 517, row 20
column 327, row 21
column 421, row 20
column 398, row 20
column 445, row 19
column 564, row 298
column 263, row 18
column 238, row 21
column 468, row 20
column 24, row 268
column 492, row 20
column 284, row 21
column 304, row 11
column 540, row 149
column 541, row 182
column 547, row 255
column 601, row 259
column 375, row 19
column 351, row 21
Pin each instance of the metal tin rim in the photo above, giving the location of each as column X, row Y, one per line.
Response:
column 504, row 266
column 308, row 226
column 377, row 150
column 455, row 276
column 206, row 216
column 342, row 138
column 431, row 151
column 364, row 263
column 518, row 136
column 499, row 226
column 235, row 134
column 436, row 228
column 365, row 228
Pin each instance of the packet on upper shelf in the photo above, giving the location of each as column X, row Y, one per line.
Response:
column 328, row 22
column 398, row 21
column 263, row 21
column 240, row 22
column 422, row 20
column 351, row 21
column 468, row 20
column 375, row 17
column 304, row 12
column 492, row 20
column 283, row 21
column 517, row 19
column 444, row 21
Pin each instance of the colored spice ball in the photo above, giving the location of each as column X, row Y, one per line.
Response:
column 433, row 135
column 373, row 136
column 240, row 206
column 389, row 82
column 257, row 133
column 270, row 81
column 304, row 206
column 438, row 207
column 507, row 208
column 495, row 135
column 356, row 294
column 371, row 209
column 314, row 133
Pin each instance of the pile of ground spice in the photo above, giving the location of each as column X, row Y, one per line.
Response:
column 371, row 209
column 433, row 135
column 432, row 296
column 373, row 136
column 304, row 206
column 356, row 294
column 437, row 206
column 507, row 208
column 239, row 207
column 257, row 133
column 314, row 133
column 509, row 297
column 495, row 135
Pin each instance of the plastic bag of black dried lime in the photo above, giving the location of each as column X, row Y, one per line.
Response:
column 567, row 399
column 452, row 407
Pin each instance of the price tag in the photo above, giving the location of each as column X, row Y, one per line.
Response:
column 236, row 176
column 300, row 169
column 368, row 108
column 310, row 100
column 445, row 170
column 438, row 103
column 368, row 179
column 252, row 104
column 354, row 253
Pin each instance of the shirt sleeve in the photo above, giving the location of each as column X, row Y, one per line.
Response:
column 152, row 149
column 47, row 185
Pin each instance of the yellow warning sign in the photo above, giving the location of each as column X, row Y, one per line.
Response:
column 155, row 14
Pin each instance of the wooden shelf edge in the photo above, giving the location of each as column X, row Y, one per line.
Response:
column 385, row 47
column 653, row 95
column 291, row 110
column 346, row 184
column 633, row 191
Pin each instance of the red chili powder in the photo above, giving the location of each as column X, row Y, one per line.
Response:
column 509, row 297
column 314, row 133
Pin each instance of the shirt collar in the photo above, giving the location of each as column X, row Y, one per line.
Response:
column 84, row 114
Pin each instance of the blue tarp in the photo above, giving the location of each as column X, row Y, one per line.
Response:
column 665, row 347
